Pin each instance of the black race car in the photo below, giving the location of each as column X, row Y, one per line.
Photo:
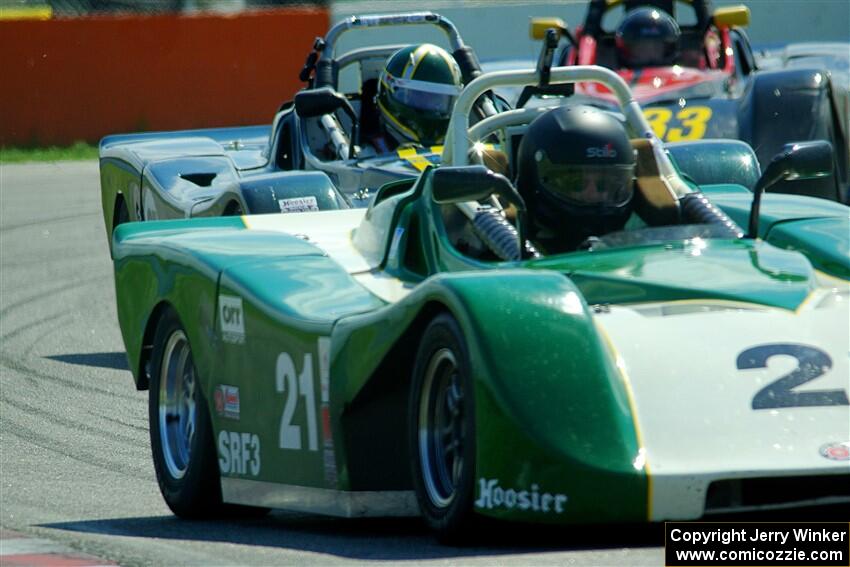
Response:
column 310, row 158
column 713, row 85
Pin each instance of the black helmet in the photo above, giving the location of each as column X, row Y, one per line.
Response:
column 576, row 174
column 647, row 37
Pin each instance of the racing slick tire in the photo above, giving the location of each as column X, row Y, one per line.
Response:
column 121, row 214
column 442, row 430
column 181, row 433
column 233, row 209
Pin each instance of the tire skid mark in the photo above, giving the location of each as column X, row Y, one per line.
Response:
column 14, row 333
column 37, row 341
column 18, row 366
column 84, row 260
column 55, row 220
column 27, row 435
column 24, row 375
column 68, row 423
column 125, row 423
column 52, row 291
column 39, row 261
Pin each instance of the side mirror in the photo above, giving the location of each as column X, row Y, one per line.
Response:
column 461, row 184
column 539, row 27
column 318, row 102
column 796, row 161
column 729, row 16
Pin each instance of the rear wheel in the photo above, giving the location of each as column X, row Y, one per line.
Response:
column 442, row 430
column 181, row 433
column 121, row 214
column 233, row 209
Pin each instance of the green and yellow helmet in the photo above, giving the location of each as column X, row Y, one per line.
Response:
column 416, row 93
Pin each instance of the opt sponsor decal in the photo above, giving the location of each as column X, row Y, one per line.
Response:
column 298, row 204
column 232, row 319
column 836, row 451
column 491, row 495
column 227, row 401
column 238, row 453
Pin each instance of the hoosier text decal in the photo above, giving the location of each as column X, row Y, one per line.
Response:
column 491, row 495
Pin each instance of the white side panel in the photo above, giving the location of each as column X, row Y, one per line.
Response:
column 332, row 232
column 386, row 287
column 329, row 230
column 694, row 404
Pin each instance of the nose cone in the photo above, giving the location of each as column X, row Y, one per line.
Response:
column 724, row 390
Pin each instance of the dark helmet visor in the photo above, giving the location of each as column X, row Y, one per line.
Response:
column 610, row 185
column 650, row 52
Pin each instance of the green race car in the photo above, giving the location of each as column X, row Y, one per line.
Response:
column 421, row 357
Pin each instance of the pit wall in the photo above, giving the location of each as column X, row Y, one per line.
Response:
column 66, row 80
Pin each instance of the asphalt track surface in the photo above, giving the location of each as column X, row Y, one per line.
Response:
column 76, row 465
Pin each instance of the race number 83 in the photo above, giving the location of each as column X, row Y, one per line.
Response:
column 690, row 123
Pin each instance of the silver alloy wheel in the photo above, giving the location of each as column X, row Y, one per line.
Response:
column 441, row 428
column 177, row 410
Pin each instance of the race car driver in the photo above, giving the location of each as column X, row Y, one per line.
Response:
column 416, row 93
column 576, row 171
column 647, row 37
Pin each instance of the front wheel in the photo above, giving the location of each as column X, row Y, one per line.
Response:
column 181, row 433
column 442, row 430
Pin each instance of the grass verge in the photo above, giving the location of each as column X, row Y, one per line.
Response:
column 77, row 151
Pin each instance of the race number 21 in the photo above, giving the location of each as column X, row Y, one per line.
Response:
column 294, row 385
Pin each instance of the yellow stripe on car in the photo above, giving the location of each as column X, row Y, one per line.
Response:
column 417, row 160
column 627, row 385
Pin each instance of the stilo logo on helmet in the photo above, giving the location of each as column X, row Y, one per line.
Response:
column 606, row 151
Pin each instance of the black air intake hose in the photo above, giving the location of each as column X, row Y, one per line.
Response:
column 499, row 235
column 697, row 209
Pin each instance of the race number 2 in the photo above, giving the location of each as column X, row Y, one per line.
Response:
column 811, row 363
column 294, row 385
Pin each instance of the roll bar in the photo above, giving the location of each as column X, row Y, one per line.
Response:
column 326, row 66
column 380, row 20
column 457, row 143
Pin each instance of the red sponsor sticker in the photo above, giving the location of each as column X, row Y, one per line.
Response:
column 836, row 451
column 327, row 435
column 227, row 401
column 219, row 401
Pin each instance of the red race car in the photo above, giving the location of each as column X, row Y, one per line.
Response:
column 693, row 71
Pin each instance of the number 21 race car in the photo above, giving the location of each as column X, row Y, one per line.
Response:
column 433, row 355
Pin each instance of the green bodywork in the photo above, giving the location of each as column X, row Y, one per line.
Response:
column 559, row 423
